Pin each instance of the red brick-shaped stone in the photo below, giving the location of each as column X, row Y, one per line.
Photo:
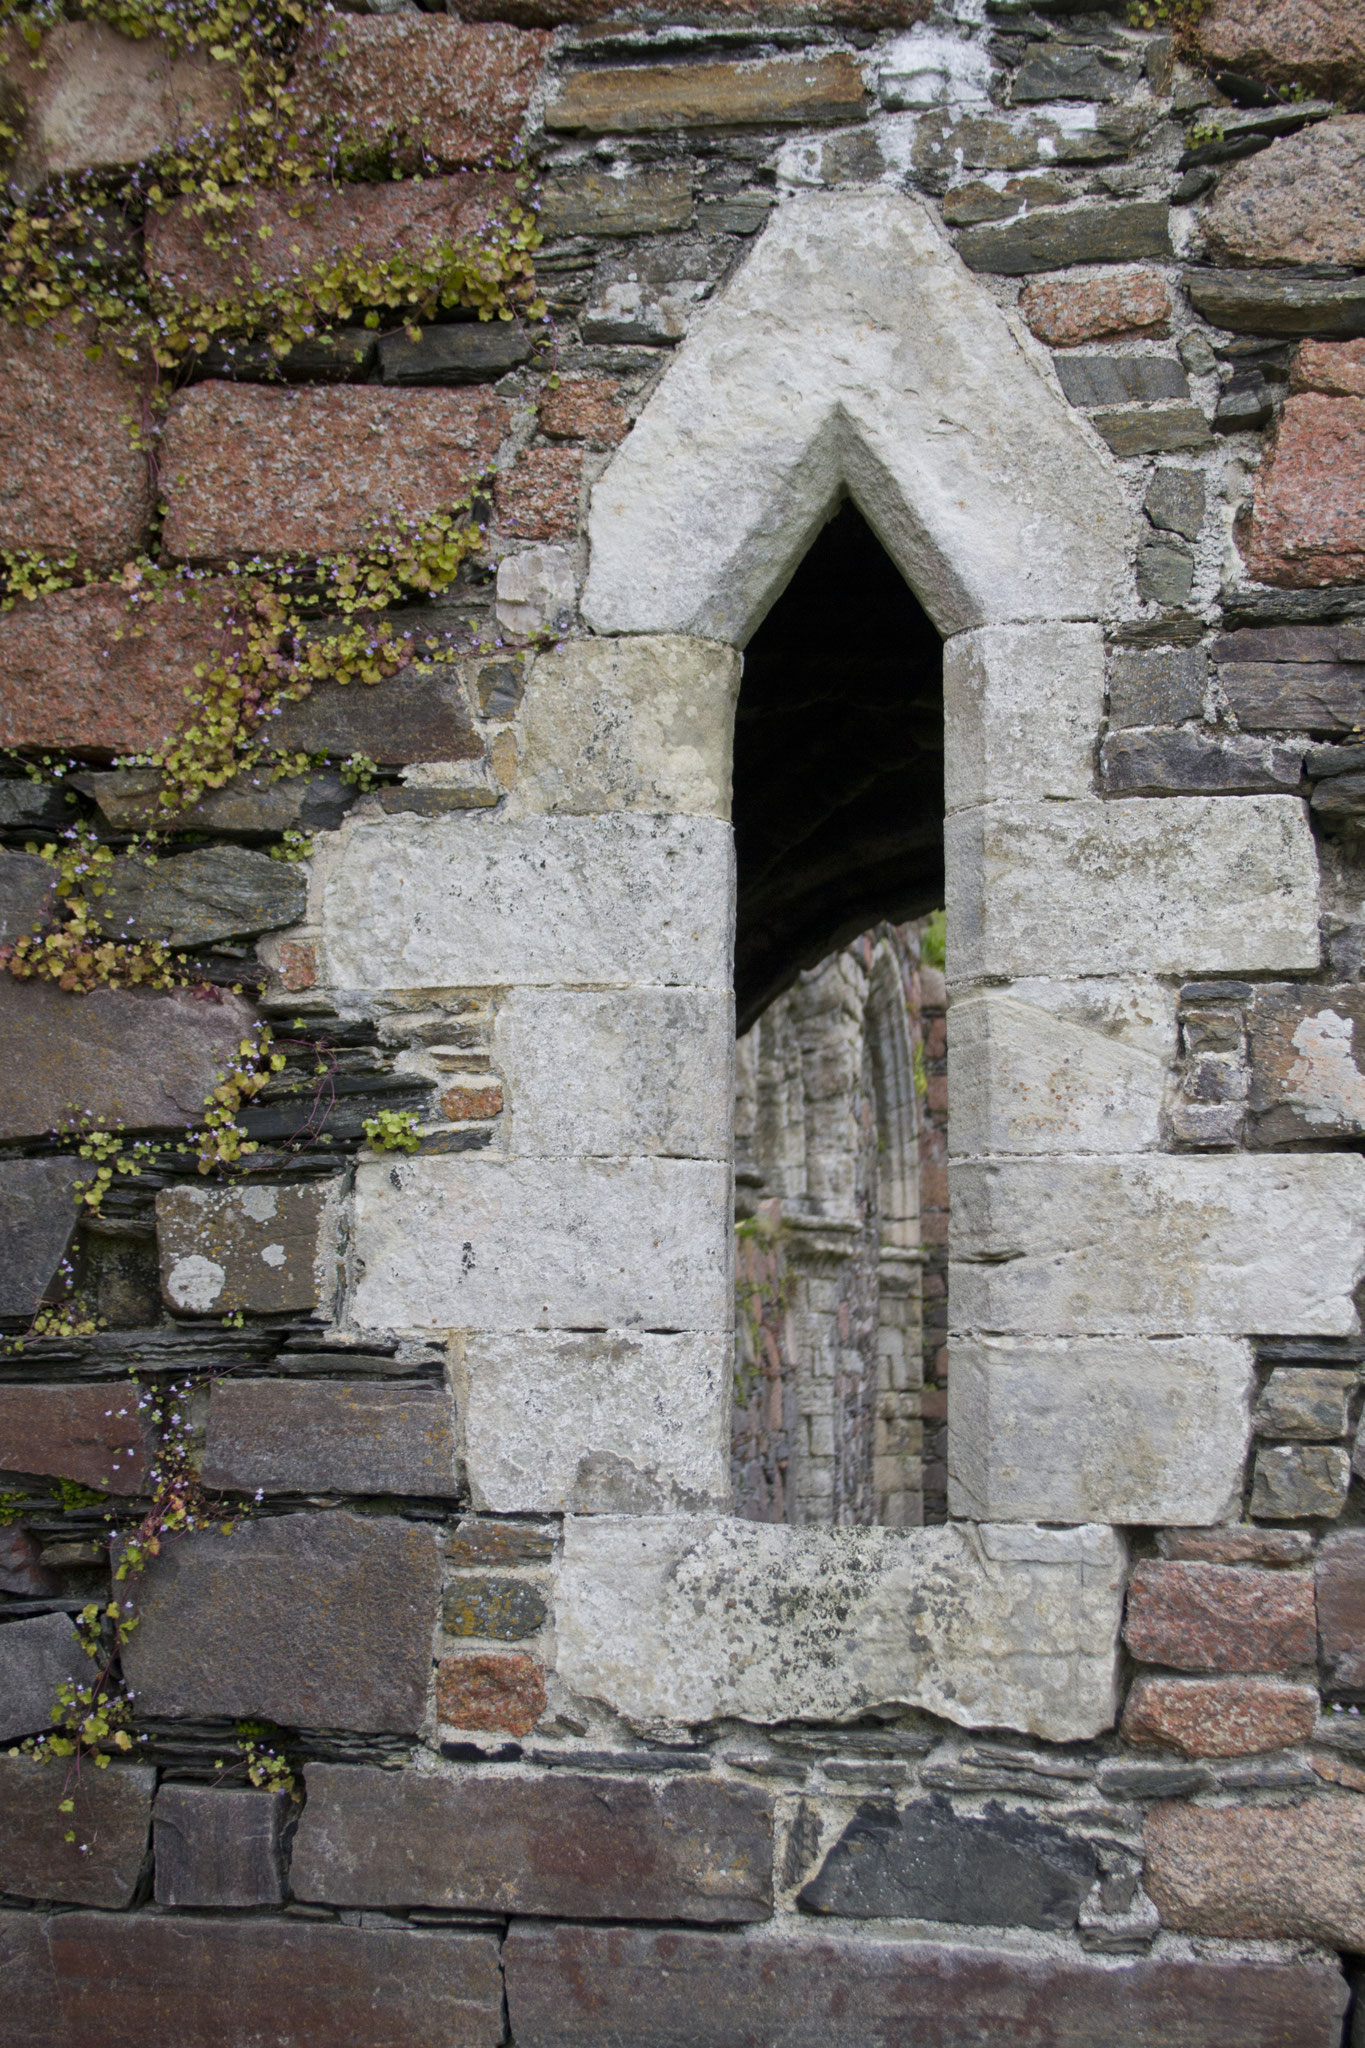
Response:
column 1214, row 1617
column 503, row 1694
column 464, row 1102
column 1066, row 310
column 280, row 237
column 537, row 499
column 251, row 469
column 87, row 669
column 458, row 92
column 1219, row 1716
column 1341, row 1609
column 1242, row 1543
column 72, row 478
column 200, row 1981
column 110, row 1819
column 1316, row 44
column 585, row 409
column 92, row 1434
column 600, row 1987
column 564, row 1843
column 1307, row 522
column 1277, row 1872
column 1335, row 367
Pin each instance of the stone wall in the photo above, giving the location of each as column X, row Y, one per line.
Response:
column 462, row 1704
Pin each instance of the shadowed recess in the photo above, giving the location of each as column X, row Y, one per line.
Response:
column 838, row 805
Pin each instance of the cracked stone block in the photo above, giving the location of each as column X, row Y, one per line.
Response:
column 268, row 1248
column 330, row 1436
column 36, row 1657
column 111, row 1819
column 1293, row 1482
column 38, row 1216
column 193, row 899
column 218, row 1846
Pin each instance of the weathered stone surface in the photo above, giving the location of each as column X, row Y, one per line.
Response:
column 1119, row 232
column 1219, row 1716
column 1214, row 1617
column 38, row 1215
column 85, row 669
column 537, row 498
column 1272, row 1871
column 1293, row 1482
column 1317, row 44
column 1298, row 202
column 568, row 1844
column 643, row 724
column 284, row 237
column 31, row 2008
column 611, row 200
column 26, row 886
column 1114, row 380
column 457, row 92
column 1175, row 502
column 1063, row 311
column 542, row 1244
column 37, row 805
column 1159, row 430
column 415, row 715
column 1165, row 567
column 1178, row 885
column 1306, row 1402
column 1175, row 763
column 312, row 1620
column 965, row 205
column 218, row 1846
column 476, row 1542
column 132, row 1980
column 117, row 1056
column 1308, row 519
column 1047, row 1066
column 500, row 1610
column 1156, row 685
column 1252, row 304
column 471, row 901
column 248, row 470
column 459, row 352
column 690, row 1618
column 640, row 99
column 193, row 899
column 536, row 591
column 92, row 1434
column 97, row 100
column 1336, row 368
column 713, row 497
column 248, row 806
column 1098, row 1430
column 1294, row 679
column 492, row 1691
column 36, row 1657
column 1242, row 1544
column 597, row 1423
column 1341, row 1608
column 110, row 1819
column 330, row 1436
column 996, row 1869
column 271, row 1250
column 585, row 409
column 73, row 479
column 21, row 1567
column 1147, row 1244
column 995, row 745
column 709, row 1990
column 465, row 1102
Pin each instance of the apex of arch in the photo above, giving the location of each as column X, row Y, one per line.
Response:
column 854, row 352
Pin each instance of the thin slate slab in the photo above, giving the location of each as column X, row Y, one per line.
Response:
column 419, row 714
column 218, row 1845
column 998, row 1869
column 567, row 1844
column 460, row 352
column 310, row 1620
column 110, row 1819
column 193, row 899
column 38, row 1217
column 330, row 1436
column 270, row 1250
column 36, row 1657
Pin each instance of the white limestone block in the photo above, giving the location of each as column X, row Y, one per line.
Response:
column 854, row 351
column 1233, row 1244
column 476, row 900
column 597, row 1422
column 616, row 1072
column 686, row 1619
column 644, row 724
column 1021, row 712
column 535, row 589
column 1099, row 1429
column 469, row 1242
column 1058, row 1066
column 1147, row 885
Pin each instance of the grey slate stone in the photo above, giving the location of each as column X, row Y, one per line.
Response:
column 593, row 202
column 271, row 1249
column 1157, row 685
column 21, row 1567
column 249, row 807
column 330, row 1436
column 26, row 886
column 38, row 1217
column 340, row 356
column 1055, row 237
column 1330, row 761
column 1111, row 380
column 1172, row 762
column 25, row 803
column 111, row 1818
column 1165, row 571
column 462, row 352
column 1175, row 501
column 1311, row 1403
column 1245, row 404
column 505, row 1610
column 192, row 899
column 1341, row 796
column 1295, row 1481
column 1295, row 696
column 1121, row 1779
column 1136, row 430
column 35, row 1658
column 218, row 1846
column 500, row 685
column 1271, row 302
column 568, row 1844
column 309, row 1620
column 998, row 1869
column 1063, row 73
column 415, row 715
